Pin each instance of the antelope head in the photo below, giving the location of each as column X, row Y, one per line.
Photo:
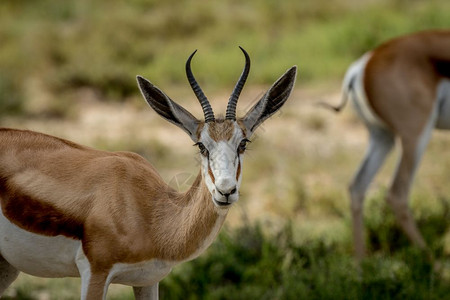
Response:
column 221, row 141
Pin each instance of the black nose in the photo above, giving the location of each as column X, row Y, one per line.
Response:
column 226, row 194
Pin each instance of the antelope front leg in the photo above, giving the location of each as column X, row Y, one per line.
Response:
column 93, row 283
column 146, row 292
column 93, row 286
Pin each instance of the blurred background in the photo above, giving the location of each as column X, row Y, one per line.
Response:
column 68, row 68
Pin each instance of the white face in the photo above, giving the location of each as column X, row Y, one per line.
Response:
column 221, row 147
column 221, row 141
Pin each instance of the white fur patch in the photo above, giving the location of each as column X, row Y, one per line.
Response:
column 356, row 73
column 36, row 254
column 145, row 273
column 223, row 161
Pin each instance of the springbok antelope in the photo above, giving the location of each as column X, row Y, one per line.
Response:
column 108, row 217
column 400, row 90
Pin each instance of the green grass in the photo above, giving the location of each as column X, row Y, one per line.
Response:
column 52, row 51
column 102, row 45
column 247, row 262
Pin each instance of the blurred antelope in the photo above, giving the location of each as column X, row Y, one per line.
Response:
column 400, row 90
column 108, row 217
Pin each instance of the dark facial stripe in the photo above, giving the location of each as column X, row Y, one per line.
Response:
column 238, row 172
column 211, row 174
column 36, row 216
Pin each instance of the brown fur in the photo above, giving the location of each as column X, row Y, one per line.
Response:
column 221, row 129
column 402, row 76
column 108, row 200
column 400, row 80
column 36, row 215
column 199, row 129
column 211, row 175
column 240, row 122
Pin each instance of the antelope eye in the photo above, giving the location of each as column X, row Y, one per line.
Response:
column 243, row 145
column 202, row 149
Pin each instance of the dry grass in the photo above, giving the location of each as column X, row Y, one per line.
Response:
column 297, row 168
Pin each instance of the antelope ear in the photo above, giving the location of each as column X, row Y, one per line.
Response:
column 271, row 102
column 168, row 109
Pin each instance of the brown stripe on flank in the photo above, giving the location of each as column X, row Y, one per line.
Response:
column 36, row 216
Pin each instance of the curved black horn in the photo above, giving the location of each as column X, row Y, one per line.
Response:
column 232, row 103
column 207, row 110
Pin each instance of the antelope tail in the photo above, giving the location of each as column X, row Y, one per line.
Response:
column 347, row 88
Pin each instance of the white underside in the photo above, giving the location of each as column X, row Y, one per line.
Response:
column 59, row 256
column 35, row 254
